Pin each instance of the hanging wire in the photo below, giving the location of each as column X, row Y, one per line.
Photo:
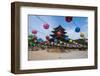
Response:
column 74, row 23
column 42, row 32
column 41, row 19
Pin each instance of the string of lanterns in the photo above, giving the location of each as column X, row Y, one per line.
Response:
column 46, row 26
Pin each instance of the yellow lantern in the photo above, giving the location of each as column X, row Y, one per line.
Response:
column 70, row 40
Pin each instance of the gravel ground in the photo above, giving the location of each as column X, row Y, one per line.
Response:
column 68, row 54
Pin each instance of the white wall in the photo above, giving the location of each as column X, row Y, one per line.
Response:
column 5, row 41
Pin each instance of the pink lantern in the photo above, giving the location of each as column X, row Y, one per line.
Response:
column 46, row 26
column 47, row 37
column 34, row 31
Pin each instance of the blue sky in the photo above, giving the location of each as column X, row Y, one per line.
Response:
column 36, row 22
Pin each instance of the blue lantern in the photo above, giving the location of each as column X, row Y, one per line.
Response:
column 40, row 40
column 77, row 29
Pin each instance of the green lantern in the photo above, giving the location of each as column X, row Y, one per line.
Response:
column 32, row 44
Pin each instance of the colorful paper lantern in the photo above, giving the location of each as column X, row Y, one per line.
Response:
column 60, row 42
column 59, row 34
column 81, row 34
column 52, row 43
column 46, row 26
column 34, row 31
column 55, row 43
column 39, row 40
column 35, row 40
column 70, row 40
column 64, row 43
column 47, row 37
column 77, row 29
column 68, row 18
column 32, row 44
column 47, row 42
column 35, row 37
column 55, row 40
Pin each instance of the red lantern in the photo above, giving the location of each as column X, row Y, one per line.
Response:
column 47, row 37
column 58, row 33
column 46, row 26
column 68, row 18
column 34, row 31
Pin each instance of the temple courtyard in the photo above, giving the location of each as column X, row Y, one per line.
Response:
column 52, row 55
